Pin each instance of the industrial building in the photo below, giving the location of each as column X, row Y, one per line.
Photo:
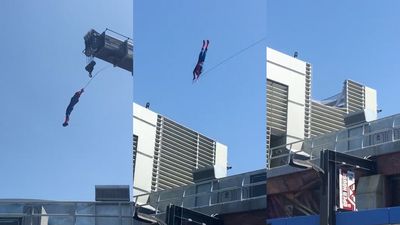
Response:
column 42, row 212
column 165, row 153
column 234, row 200
column 294, row 191
column 329, row 161
column 292, row 115
column 238, row 199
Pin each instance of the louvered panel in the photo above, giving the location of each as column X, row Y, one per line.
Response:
column 325, row 119
column 277, row 101
column 178, row 152
column 355, row 96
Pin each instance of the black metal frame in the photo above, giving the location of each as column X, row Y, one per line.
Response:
column 177, row 215
column 329, row 160
column 11, row 220
column 110, row 49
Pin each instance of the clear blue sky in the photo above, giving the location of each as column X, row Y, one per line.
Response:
column 227, row 103
column 357, row 40
column 42, row 65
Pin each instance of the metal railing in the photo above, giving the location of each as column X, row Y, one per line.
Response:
column 280, row 155
column 204, row 194
column 67, row 213
column 362, row 136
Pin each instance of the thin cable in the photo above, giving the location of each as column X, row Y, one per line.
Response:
column 95, row 75
column 234, row 55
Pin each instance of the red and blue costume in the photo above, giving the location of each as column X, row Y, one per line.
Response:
column 72, row 103
column 198, row 69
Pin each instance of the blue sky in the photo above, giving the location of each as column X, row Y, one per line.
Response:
column 227, row 103
column 42, row 65
column 357, row 40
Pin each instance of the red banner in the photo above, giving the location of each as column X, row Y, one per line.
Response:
column 347, row 190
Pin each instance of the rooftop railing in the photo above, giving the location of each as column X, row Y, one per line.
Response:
column 358, row 137
column 66, row 213
column 207, row 193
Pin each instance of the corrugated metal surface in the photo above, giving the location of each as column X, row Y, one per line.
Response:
column 307, row 104
column 134, row 151
column 178, row 151
column 277, row 104
column 325, row 119
column 355, row 96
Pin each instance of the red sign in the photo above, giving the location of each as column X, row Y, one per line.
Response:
column 347, row 190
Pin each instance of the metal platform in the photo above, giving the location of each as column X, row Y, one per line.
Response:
column 110, row 47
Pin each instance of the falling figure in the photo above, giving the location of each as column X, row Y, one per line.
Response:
column 74, row 101
column 202, row 56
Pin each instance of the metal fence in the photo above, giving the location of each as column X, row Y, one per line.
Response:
column 366, row 135
column 66, row 213
column 209, row 193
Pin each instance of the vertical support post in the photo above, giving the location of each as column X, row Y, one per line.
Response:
column 336, row 142
column 75, row 212
column 324, row 189
column 332, row 187
column 31, row 215
column 241, row 188
column 288, row 157
column 393, row 130
column 211, row 192
column 183, row 197
column 120, row 213
column 158, row 202
column 328, row 189
column 362, row 136
column 312, row 148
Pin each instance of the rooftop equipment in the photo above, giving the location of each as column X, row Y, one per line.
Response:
column 109, row 46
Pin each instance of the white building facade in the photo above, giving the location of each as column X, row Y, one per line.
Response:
column 293, row 116
column 165, row 153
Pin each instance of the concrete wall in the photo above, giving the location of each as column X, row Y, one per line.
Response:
column 290, row 71
column 370, row 193
column 144, row 126
column 221, row 160
column 371, row 105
